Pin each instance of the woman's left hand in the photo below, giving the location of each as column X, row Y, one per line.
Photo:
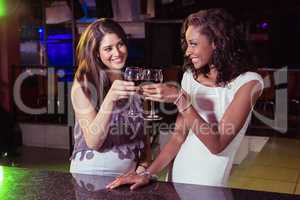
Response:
column 134, row 179
column 161, row 92
column 131, row 172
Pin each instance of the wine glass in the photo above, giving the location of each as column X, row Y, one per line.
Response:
column 152, row 76
column 133, row 74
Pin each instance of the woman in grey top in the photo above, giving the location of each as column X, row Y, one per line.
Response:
column 107, row 141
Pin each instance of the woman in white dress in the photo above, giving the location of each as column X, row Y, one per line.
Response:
column 215, row 102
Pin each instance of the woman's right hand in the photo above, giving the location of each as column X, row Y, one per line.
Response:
column 121, row 90
column 161, row 92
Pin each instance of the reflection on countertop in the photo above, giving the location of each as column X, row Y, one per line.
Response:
column 17, row 183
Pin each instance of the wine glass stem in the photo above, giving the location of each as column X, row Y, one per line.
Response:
column 152, row 111
column 130, row 106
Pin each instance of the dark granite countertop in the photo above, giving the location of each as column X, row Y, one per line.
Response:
column 26, row 184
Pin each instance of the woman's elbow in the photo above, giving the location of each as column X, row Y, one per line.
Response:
column 92, row 141
column 215, row 149
column 91, row 144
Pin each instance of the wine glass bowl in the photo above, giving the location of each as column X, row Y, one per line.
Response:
column 151, row 76
column 134, row 74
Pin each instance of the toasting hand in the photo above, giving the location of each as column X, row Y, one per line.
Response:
column 161, row 92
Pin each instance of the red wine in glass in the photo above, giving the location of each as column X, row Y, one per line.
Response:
column 133, row 74
column 152, row 76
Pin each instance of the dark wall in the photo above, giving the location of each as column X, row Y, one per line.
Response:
column 281, row 47
column 285, row 40
column 163, row 44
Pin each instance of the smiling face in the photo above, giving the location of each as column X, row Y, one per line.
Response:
column 113, row 51
column 199, row 48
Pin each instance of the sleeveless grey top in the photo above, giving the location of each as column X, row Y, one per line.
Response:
column 125, row 134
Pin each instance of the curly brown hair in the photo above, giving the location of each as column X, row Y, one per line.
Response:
column 231, row 56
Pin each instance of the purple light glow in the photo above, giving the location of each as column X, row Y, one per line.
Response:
column 264, row 25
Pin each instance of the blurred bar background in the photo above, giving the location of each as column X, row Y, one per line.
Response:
column 38, row 40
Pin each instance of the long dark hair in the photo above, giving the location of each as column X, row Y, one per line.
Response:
column 231, row 56
column 91, row 70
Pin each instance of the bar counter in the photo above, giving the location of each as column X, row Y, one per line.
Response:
column 26, row 184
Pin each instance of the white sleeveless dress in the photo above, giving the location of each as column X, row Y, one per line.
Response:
column 194, row 163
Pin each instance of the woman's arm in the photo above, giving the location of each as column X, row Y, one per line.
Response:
column 146, row 156
column 172, row 147
column 95, row 124
column 216, row 137
column 164, row 158
column 170, row 150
